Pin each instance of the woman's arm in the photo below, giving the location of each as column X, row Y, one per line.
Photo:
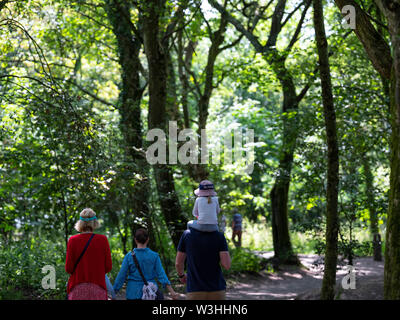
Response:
column 110, row 288
column 172, row 292
column 119, row 281
column 162, row 277
column 69, row 261
column 160, row 273
column 108, row 262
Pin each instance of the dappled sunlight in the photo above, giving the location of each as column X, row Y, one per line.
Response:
column 128, row 106
column 293, row 275
column 294, row 282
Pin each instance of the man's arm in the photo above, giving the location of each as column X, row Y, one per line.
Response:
column 225, row 259
column 180, row 265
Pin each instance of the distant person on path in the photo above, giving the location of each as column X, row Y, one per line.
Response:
column 87, row 274
column 206, row 208
column 205, row 253
column 237, row 228
column 150, row 265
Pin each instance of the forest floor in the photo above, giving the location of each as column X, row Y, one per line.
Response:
column 303, row 283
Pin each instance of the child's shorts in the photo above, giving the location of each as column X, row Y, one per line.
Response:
column 202, row 226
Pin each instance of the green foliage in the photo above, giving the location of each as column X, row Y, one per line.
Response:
column 21, row 264
column 117, row 255
column 244, row 261
column 61, row 142
column 355, row 247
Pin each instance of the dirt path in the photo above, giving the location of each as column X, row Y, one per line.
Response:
column 305, row 283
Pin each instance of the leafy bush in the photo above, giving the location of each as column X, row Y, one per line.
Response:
column 244, row 261
column 117, row 255
column 354, row 247
column 21, row 266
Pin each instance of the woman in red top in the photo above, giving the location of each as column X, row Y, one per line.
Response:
column 87, row 282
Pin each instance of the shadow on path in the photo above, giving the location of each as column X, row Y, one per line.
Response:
column 305, row 283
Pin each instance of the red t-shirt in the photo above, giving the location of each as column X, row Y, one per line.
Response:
column 94, row 264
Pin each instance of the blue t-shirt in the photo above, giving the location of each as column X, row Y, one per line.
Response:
column 237, row 219
column 202, row 255
column 150, row 264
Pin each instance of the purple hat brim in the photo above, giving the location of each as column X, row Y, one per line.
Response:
column 205, row 193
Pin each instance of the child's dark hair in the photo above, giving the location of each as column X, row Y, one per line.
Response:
column 141, row 235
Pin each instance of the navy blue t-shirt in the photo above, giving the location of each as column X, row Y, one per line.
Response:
column 202, row 255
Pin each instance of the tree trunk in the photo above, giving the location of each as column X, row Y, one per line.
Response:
column 374, row 44
column 184, row 58
column 280, row 228
column 391, row 10
column 199, row 171
column 373, row 218
column 332, row 219
column 155, row 47
column 276, row 59
column 280, row 192
column 388, row 67
column 172, row 109
column 130, row 112
column 392, row 248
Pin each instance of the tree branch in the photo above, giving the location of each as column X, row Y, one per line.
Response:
column 276, row 23
column 299, row 26
column 91, row 94
column 3, row 4
column 291, row 14
column 303, row 92
column 376, row 47
column 239, row 27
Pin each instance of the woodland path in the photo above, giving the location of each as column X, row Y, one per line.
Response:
column 305, row 282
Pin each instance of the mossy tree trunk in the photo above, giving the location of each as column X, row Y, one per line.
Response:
column 156, row 46
column 391, row 10
column 279, row 194
column 392, row 248
column 130, row 98
column 386, row 60
column 332, row 219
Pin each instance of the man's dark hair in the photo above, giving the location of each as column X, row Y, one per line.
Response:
column 141, row 235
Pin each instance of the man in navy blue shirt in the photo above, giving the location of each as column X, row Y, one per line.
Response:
column 205, row 252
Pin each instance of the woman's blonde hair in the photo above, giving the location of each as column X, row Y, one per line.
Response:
column 85, row 226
